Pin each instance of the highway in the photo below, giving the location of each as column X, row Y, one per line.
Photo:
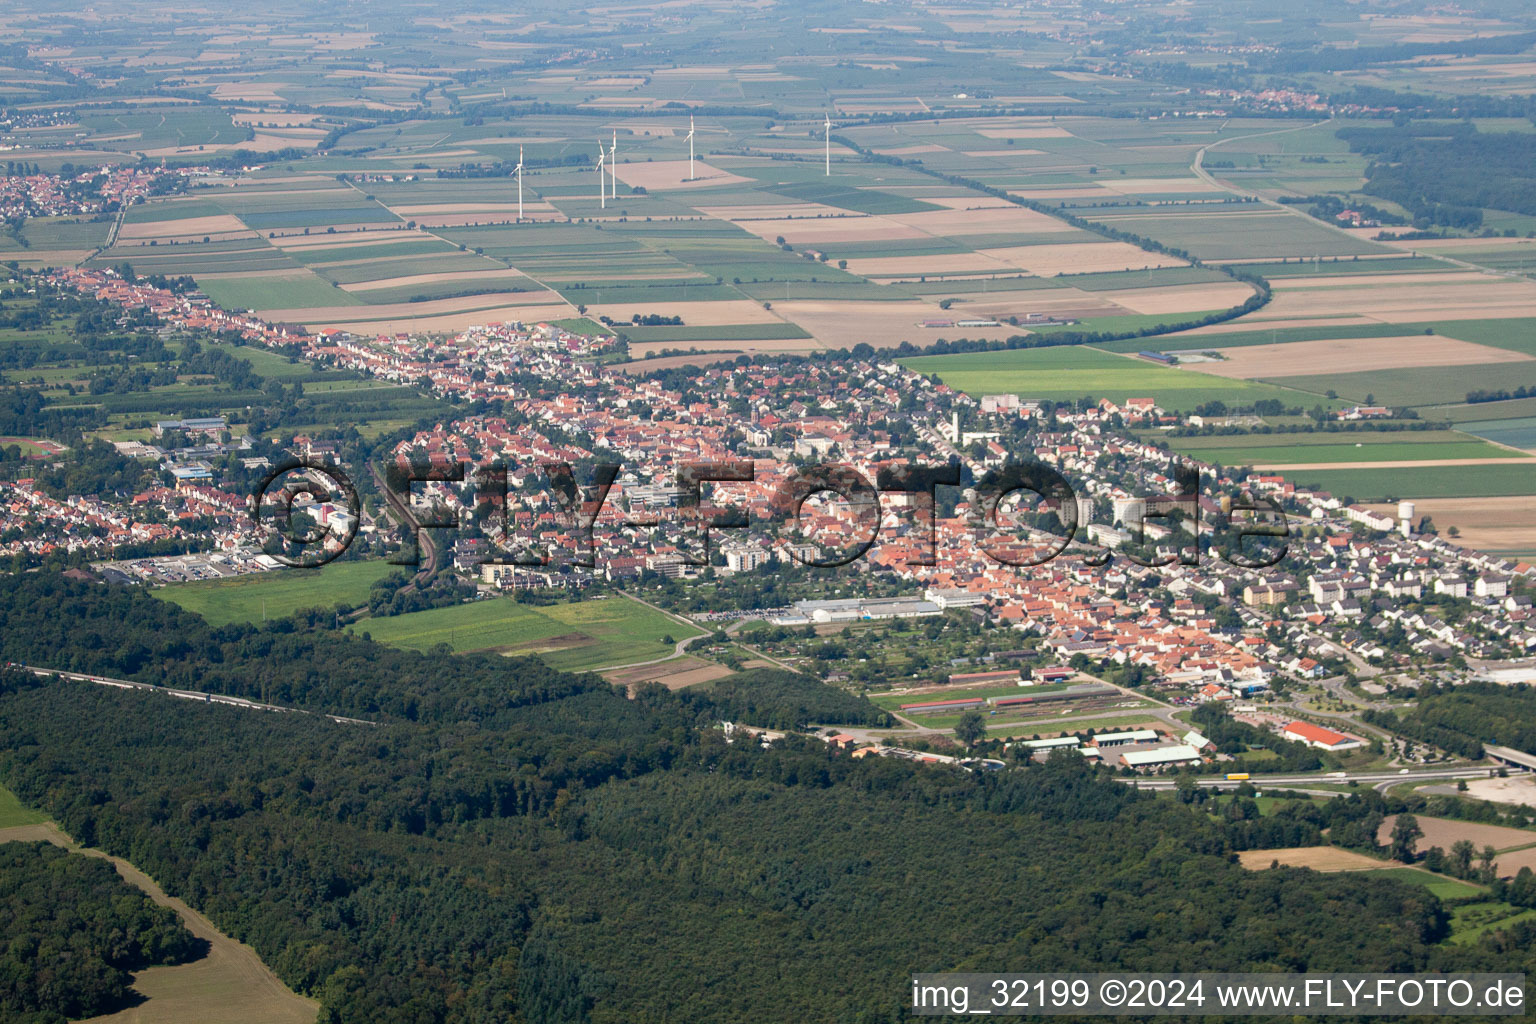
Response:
column 1378, row 780
column 195, row 695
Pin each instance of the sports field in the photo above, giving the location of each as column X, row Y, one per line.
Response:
column 575, row 637
column 276, row 594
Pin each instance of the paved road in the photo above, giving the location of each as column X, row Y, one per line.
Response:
column 195, row 695
column 1373, row 778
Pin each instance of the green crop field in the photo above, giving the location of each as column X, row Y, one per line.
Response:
column 276, row 293
column 1420, row 481
column 1438, row 885
column 1417, row 386
column 12, row 813
column 575, row 637
column 1328, row 448
column 276, row 594
column 1217, row 236
column 1070, row 372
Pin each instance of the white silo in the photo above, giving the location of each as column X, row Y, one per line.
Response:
column 1405, row 516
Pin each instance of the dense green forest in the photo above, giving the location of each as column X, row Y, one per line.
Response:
column 1447, row 174
column 73, row 931
column 786, row 700
column 1462, row 719
column 514, row 844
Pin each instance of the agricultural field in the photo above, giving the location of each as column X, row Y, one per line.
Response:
column 274, row 595
column 13, row 814
column 1439, row 886
column 1295, row 451
column 893, row 702
column 1318, row 858
column 1071, row 372
column 575, row 637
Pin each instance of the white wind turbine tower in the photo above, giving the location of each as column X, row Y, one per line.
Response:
column 602, row 192
column 827, row 127
column 613, row 165
column 690, row 147
column 518, row 170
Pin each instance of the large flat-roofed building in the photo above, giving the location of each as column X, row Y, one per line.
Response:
column 206, row 425
column 1317, row 736
column 1121, row 739
column 1054, row 743
column 1160, row 757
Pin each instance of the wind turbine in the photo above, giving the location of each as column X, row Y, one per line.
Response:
column 518, row 170
column 602, row 193
column 613, row 164
column 827, row 127
column 690, row 147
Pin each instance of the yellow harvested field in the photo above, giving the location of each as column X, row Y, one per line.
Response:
column 1318, row 858
column 1065, row 302
column 1034, row 132
column 981, row 219
column 1443, row 832
column 251, row 92
column 1486, row 524
column 1082, row 258
column 944, row 263
column 771, row 211
column 662, row 175
column 1350, row 355
column 277, row 118
column 822, row 230
column 428, row 323
column 643, row 366
column 730, row 347
column 377, row 236
column 230, row 985
column 1082, row 192
column 471, row 279
column 188, row 227
column 531, row 212
column 712, row 313
column 1184, row 298
column 405, row 310
column 962, row 202
column 1136, row 186
column 881, row 324
column 50, row 257
column 1286, row 284
column 1262, row 323
column 1408, row 302
column 433, row 208
column 912, row 150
